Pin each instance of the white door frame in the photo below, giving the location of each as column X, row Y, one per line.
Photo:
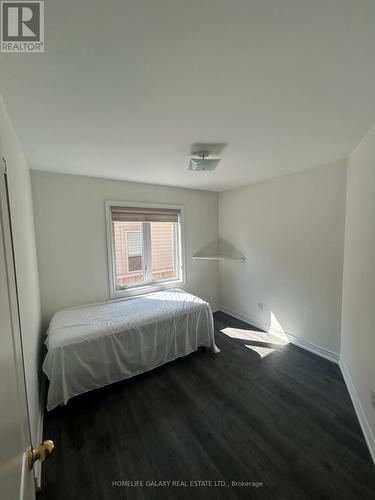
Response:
column 26, row 486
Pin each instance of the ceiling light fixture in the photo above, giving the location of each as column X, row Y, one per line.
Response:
column 202, row 164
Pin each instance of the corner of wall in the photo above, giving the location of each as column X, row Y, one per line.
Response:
column 361, row 414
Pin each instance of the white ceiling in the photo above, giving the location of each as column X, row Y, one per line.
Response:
column 126, row 86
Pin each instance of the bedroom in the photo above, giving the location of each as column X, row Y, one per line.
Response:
column 178, row 331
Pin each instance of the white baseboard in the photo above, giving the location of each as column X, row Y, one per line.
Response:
column 38, row 464
column 304, row 344
column 246, row 319
column 365, row 426
column 314, row 348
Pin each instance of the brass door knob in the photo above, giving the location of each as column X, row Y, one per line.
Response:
column 41, row 453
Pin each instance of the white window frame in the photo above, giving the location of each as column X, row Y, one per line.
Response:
column 148, row 286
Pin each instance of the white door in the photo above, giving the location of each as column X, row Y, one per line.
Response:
column 16, row 479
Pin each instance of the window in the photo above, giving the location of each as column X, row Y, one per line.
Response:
column 134, row 250
column 145, row 246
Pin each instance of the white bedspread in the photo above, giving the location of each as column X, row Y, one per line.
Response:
column 95, row 345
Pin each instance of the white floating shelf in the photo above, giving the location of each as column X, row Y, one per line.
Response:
column 218, row 257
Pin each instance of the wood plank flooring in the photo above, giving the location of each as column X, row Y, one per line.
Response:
column 284, row 420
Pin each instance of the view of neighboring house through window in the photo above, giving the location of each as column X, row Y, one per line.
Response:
column 146, row 245
column 134, row 250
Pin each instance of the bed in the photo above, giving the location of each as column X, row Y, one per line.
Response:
column 95, row 345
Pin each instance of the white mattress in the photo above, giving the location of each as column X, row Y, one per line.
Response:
column 95, row 345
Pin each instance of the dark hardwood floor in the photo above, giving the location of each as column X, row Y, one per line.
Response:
column 284, row 420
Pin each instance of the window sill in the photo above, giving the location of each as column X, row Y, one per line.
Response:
column 143, row 289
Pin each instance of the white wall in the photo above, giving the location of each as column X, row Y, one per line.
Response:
column 26, row 262
column 358, row 303
column 71, row 235
column 291, row 231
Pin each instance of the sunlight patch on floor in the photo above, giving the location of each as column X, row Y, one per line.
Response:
column 261, row 351
column 254, row 335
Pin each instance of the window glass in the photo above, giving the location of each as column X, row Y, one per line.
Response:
column 163, row 251
column 128, row 251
